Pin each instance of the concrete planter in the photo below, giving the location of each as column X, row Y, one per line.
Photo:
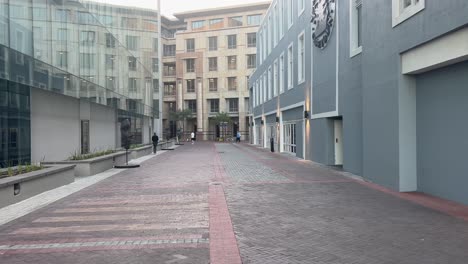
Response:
column 93, row 166
column 148, row 149
column 140, row 152
column 18, row 188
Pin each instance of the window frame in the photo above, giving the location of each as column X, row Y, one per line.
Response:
column 290, row 68
column 400, row 14
column 301, row 57
column 354, row 36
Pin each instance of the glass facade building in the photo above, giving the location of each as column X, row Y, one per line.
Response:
column 94, row 52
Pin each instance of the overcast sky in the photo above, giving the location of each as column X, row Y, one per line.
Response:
column 170, row 7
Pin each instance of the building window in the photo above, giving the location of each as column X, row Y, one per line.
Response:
column 213, row 84
column 85, row 18
column 275, row 79
column 110, row 40
column 169, row 69
column 62, row 59
column 87, row 38
column 127, row 22
column 190, row 85
column 290, row 11
column 289, row 131
column 355, row 22
column 404, row 9
column 290, row 66
column 212, row 43
column 232, row 83
column 232, row 62
column 270, row 34
column 275, row 24
column 156, row 85
column 192, row 105
column 301, row 6
column 213, row 64
column 214, row 105
column 110, row 82
column 132, row 64
column 155, row 45
column 260, row 47
column 265, row 42
column 281, row 18
column 251, row 40
column 155, row 64
column 106, row 20
column 150, row 25
column 198, row 24
column 232, row 41
column 281, row 74
column 233, row 105
column 251, row 61
column 270, row 85
column 190, row 45
column 169, row 89
column 190, row 65
column 87, row 61
column 62, row 35
column 169, row 50
column 133, row 85
column 132, row 42
column 61, row 15
column 235, row 21
column 254, row 20
column 301, row 58
column 216, row 23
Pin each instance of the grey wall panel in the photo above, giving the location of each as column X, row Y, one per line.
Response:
column 293, row 114
column 55, row 126
column 257, row 111
column 271, row 119
column 271, row 105
column 321, row 135
column 324, row 76
column 102, row 127
column 300, row 139
column 442, row 143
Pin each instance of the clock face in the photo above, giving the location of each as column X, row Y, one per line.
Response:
column 323, row 18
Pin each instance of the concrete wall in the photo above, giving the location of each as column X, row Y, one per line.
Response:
column 102, row 126
column 55, row 126
column 442, row 128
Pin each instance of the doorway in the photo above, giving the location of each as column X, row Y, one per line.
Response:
column 338, row 124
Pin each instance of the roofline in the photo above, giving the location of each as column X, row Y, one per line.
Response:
column 215, row 11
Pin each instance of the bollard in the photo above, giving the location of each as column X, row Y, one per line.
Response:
column 272, row 145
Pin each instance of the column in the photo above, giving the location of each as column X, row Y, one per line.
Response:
column 200, row 124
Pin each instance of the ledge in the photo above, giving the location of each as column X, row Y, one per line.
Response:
column 5, row 182
column 93, row 160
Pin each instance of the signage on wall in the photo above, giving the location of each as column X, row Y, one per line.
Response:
column 323, row 18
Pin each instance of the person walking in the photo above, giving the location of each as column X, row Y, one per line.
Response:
column 192, row 136
column 238, row 137
column 155, row 140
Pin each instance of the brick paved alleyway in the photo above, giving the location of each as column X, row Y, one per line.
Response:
column 227, row 203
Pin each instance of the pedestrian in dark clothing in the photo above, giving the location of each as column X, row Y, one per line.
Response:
column 155, row 140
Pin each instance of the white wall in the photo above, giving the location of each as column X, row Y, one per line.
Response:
column 102, row 127
column 55, row 126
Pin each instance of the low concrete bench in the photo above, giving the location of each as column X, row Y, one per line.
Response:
column 92, row 166
column 20, row 187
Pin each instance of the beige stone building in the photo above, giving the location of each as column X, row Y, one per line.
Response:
column 215, row 54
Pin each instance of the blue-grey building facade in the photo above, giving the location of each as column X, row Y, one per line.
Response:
column 384, row 94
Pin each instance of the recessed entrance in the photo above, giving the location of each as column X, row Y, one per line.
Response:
column 338, row 142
